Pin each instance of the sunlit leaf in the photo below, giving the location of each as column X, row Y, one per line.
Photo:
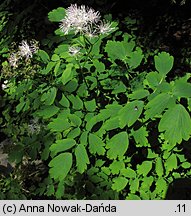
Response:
column 182, row 89
column 60, row 166
column 44, row 56
column 117, row 145
column 132, row 197
column 161, row 185
column 128, row 172
column 119, row 50
column 157, row 105
column 56, row 15
column 116, row 166
column 129, row 114
column 96, row 145
column 48, row 111
column 140, row 136
column 119, row 183
column 164, row 62
column 139, row 94
column 135, row 58
column 64, row 101
column 90, row 105
column 62, row 145
column 171, row 163
column 67, row 74
column 144, row 168
column 159, row 166
column 82, row 158
column 50, row 96
column 176, row 124
column 134, row 185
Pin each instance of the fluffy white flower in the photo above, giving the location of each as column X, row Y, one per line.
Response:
column 74, row 50
column 4, row 85
column 34, row 126
column 65, row 26
column 26, row 50
column 13, row 60
column 93, row 16
column 90, row 31
column 105, row 27
column 78, row 18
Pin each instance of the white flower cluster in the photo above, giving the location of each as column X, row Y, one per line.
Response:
column 85, row 21
column 25, row 50
column 34, row 126
column 4, row 85
column 74, row 50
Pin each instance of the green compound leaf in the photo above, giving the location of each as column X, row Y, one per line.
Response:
column 60, row 190
column 144, row 168
column 60, row 166
column 164, row 62
column 74, row 133
column 139, row 94
column 153, row 79
column 161, row 185
column 49, row 97
column 95, row 51
column 62, row 145
column 57, row 69
column 67, row 74
column 176, row 123
column 55, row 57
column 44, row 56
column 119, row 184
column 59, row 124
column 116, row 166
column 71, row 86
column 115, row 50
column 20, row 106
column 56, row 15
column 111, row 123
column 129, row 114
column 186, row 165
column 133, row 197
column 117, row 145
column 74, row 120
column 48, row 111
column 128, row 172
column 140, row 137
column 76, row 102
column 90, row 105
column 63, row 48
column 157, row 105
column 135, row 58
column 96, row 145
column 100, row 67
column 171, row 163
column 119, row 50
column 182, row 89
column 50, row 190
column 159, row 167
column 119, row 87
column 134, row 185
column 81, row 158
column 48, row 68
column 64, row 101
column 147, row 183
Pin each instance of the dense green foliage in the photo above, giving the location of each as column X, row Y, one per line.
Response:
column 97, row 125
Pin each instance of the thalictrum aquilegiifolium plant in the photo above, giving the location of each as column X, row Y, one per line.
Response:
column 89, row 108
